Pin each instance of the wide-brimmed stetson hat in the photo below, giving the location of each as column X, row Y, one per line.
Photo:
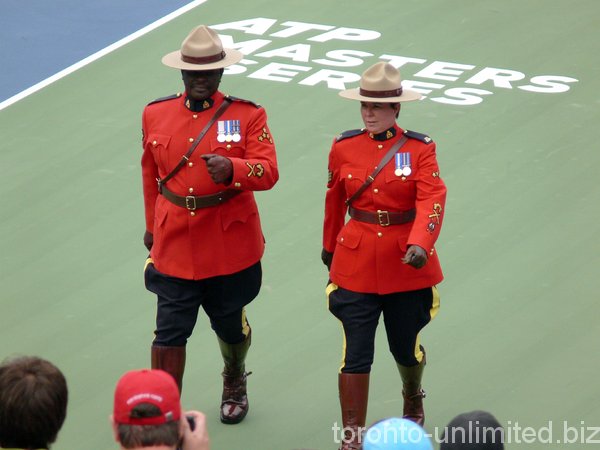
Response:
column 202, row 49
column 381, row 83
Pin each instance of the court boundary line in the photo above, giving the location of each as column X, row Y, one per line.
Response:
column 99, row 54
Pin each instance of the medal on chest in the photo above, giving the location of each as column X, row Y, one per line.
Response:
column 403, row 167
column 229, row 131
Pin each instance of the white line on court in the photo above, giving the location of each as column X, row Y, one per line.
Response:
column 99, row 54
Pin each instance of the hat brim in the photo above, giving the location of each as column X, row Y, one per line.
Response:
column 407, row 96
column 173, row 59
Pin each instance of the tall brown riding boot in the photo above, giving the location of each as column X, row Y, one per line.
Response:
column 354, row 397
column 234, row 401
column 171, row 360
column 412, row 392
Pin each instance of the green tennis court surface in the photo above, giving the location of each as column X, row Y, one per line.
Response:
column 512, row 102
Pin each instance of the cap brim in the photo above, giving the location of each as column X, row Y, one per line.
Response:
column 173, row 59
column 407, row 96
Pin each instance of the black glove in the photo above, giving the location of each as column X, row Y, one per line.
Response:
column 219, row 168
column 327, row 257
column 415, row 256
column 148, row 240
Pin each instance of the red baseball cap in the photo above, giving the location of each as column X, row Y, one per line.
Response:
column 146, row 386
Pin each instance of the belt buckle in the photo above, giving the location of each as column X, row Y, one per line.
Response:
column 383, row 217
column 190, row 199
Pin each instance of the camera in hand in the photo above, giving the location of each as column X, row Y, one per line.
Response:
column 191, row 421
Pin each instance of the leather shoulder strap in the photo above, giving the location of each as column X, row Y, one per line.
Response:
column 185, row 158
column 386, row 158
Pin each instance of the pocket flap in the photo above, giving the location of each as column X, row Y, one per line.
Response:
column 224, row 148
column 238, row 211
column 158, row 140
column 160, row 216
column 353, row 173
column 349, row 240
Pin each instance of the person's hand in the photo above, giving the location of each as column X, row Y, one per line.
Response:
column 415, row 256
column 198, row 438
column 219, row 168
column 327, row 257
column 148, row 240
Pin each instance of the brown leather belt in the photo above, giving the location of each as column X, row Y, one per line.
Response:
column 192, row 202
column 383, row 218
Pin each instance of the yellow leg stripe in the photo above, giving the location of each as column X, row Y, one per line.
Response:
column 435, row 307
column 328, row 290
column 148, row 261
column 245, row 326
column 418, row 352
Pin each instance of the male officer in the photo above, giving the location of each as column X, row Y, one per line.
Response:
column 204, row 154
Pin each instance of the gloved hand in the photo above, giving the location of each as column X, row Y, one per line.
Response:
column 148, row 240
column 327, row 257
column 415, row 256
column 219, row 168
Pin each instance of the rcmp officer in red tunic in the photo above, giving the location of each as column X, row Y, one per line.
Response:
column 204, row 155
column 383, row 259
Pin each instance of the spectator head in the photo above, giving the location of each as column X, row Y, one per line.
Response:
column 396, row 434
column 147, row 410
column 475, row 430
column 33, row 402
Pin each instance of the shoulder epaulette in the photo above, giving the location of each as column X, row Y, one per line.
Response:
column 237, row 99
column 418, row 136
column 349, row 134
column 164, row 99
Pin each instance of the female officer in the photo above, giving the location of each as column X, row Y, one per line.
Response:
column 383, row 259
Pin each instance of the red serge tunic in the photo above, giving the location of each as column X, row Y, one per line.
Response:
column 368, row 257
column 212, row 241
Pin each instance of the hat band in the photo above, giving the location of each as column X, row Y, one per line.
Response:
column 381, row 94
column 203, row 59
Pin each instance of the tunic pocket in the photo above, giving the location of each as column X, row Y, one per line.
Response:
column 158, row 145
column 345, row 257
column 353, row 178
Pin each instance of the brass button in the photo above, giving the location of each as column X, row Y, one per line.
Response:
column 191, row 139
column 403, row 178
column 380, row 146
column 341, row 239
column 349, row 175
column 192, row 213
column 431, row 252
column 195, row 116
column 191, row 190
column 191, row 164
column 237, row 185
column 154, row 143
column 379, row 234
column 228, row 146
column 375, row 190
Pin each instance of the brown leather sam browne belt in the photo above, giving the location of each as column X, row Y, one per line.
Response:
column 383, row 218
column 193, row 202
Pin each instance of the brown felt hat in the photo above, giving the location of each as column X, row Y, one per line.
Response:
column 381, row 83
column 202, row 49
